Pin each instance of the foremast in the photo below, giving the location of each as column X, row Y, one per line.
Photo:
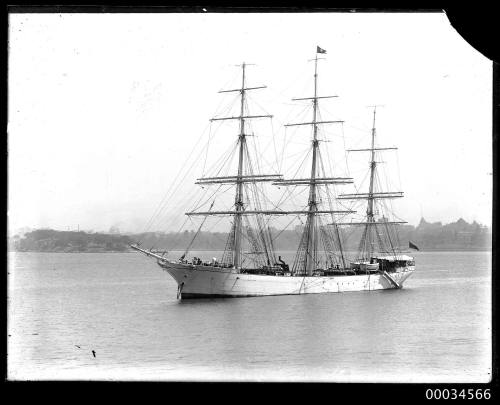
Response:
column 238, row 201
column 233, row 250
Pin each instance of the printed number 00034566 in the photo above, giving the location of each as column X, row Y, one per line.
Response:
column 452, row 393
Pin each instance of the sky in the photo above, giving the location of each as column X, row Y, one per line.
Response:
column 104, row 110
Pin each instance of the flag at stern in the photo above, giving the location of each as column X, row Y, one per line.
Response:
column 412, row 246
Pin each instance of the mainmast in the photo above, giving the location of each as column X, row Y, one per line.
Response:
column 311, row 246
column 307, row 254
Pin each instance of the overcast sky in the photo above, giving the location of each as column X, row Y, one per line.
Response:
column 104, row 109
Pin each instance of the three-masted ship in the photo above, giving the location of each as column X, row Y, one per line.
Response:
column 320, row 264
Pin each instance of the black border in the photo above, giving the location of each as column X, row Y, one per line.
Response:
column 476, row 27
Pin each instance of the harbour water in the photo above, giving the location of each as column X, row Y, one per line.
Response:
column 122, row 306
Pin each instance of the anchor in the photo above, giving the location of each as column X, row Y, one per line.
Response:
column 179, row 290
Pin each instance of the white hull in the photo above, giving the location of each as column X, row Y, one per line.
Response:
column 198, row 281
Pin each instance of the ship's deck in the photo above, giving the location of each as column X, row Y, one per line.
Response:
column 278, row 271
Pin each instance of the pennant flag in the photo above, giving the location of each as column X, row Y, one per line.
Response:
column 319, row 50
column 413, row 246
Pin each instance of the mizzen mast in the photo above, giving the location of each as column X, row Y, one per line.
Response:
column 371, row 228
column 369, row 210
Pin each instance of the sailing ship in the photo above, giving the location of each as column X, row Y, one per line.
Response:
column 320, row 264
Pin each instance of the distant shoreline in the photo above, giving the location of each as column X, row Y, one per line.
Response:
column 215, row 250
column 428, row 237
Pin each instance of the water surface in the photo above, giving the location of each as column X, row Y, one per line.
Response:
column 122, row 306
